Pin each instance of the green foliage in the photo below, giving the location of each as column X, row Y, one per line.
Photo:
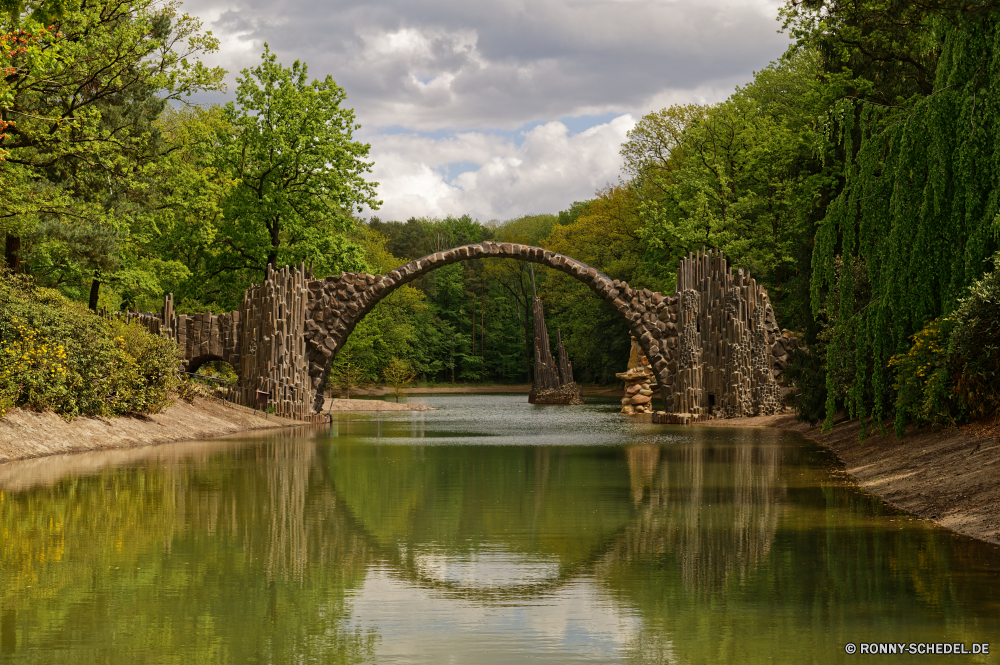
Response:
column 79, row 104
column 419, row 237
column 220, row 372
column 923, row 378
column 59, row 356
column 398, row 374
column 915, row 221
column 348, row 373
column 806, row 375
column 952, row 369
column 974, row 346
column 742, row 176
column 924, row 391
column 299, row 173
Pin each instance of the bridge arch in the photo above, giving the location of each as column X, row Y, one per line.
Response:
column 338, row 303
column 195, row 363
column 713, row 346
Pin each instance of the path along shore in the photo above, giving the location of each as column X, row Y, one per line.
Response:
column 945, row 475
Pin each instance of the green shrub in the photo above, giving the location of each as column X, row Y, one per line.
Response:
column 55, row 354
column 924, row 386
column 952, row 370
column 975, row 345
column 220, row 371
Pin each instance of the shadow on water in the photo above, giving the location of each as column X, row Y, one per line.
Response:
column 487, row 531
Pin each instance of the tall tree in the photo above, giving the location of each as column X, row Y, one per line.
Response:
column 918, row 215
column 65, row 107
column 300, row 174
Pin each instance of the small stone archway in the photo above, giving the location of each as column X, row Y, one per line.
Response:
column 195, row 363
column 336, row 304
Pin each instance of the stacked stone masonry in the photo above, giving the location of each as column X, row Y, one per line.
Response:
column 640, row 383
column 719, row 338
column 286, row 333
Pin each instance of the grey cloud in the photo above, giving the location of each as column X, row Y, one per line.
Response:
column 459, row 65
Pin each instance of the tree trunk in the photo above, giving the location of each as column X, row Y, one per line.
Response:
column 12, row 252
column 95, row 292
column 272, row 256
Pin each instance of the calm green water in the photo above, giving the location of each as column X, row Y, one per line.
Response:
column 488, row 531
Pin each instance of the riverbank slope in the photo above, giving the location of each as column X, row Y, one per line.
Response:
column 25, row 434
column 943, row 474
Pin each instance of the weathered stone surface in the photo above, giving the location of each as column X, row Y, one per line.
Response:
column 333, row 306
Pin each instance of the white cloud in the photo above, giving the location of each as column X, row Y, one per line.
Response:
column 547, row 171
column 474, row 73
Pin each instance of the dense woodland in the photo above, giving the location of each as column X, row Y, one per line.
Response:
column 856, row 177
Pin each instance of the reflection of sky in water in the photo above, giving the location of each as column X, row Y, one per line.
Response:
column 486, row 568
column 502, row 420
column 698, row 546
column 575, row 623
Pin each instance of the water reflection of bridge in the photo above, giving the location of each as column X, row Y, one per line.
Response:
column 670, row 531
column 403, row 505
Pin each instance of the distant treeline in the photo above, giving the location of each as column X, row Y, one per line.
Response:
column 856, row 177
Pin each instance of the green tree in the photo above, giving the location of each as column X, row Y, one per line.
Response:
column 398, row 374
column 300, row 175
column 181, row 237
column 348, row 372
column 67, row 107
column 917, row 217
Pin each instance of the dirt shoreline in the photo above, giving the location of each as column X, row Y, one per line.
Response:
column 944, row 475
column 29, row 434
column 524, row 388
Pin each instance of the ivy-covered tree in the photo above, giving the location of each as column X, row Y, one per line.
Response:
column 918, row 215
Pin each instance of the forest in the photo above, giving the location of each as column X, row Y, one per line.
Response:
column 855, row 177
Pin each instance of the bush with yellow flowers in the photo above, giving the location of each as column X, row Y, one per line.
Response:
column 951, row 372
column 34, row 371
column 57, row 355
column 924, row 385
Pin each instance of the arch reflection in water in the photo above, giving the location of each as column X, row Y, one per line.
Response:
column 644, row 545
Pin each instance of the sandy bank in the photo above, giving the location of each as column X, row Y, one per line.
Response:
column 946, row 475
column 26, row 434
column 342, row 405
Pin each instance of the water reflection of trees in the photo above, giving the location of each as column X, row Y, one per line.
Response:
column 712, row 505
column 256, row 554
column 248, row 557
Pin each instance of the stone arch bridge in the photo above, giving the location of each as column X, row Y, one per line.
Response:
column 287, row 331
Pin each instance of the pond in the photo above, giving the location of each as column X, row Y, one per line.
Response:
column 486, row 531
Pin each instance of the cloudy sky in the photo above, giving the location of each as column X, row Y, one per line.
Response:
column 504, row 107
